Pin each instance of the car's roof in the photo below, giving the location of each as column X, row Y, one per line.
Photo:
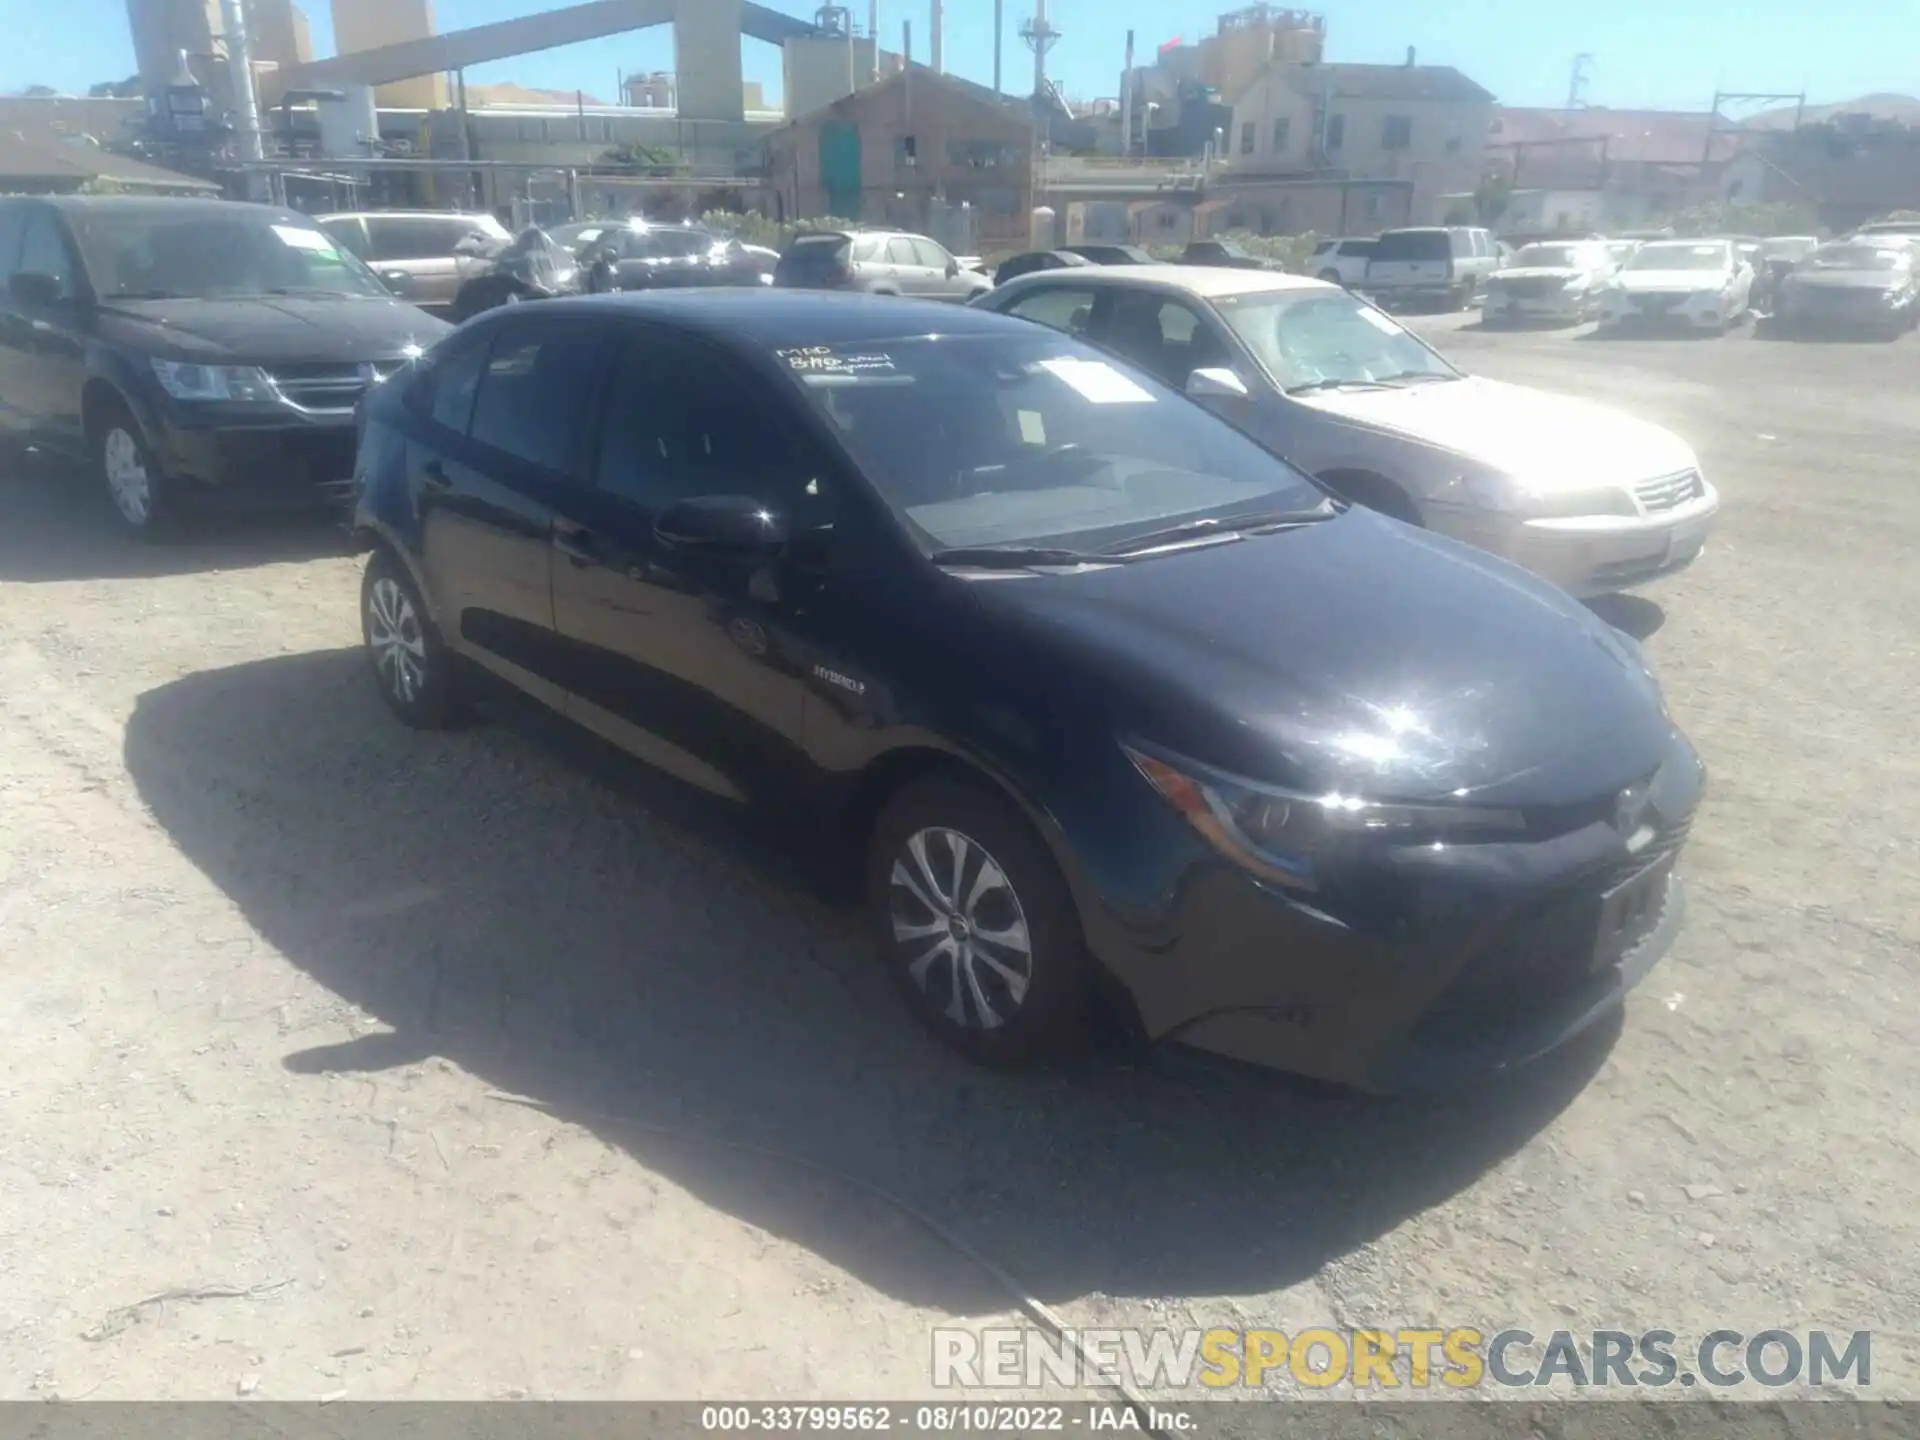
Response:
column 776, row 319
column 408, row 215
column 150, row 205
column 1205, row 281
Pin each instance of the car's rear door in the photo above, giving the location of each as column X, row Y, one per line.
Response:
column 686, row 657
column 507, row 411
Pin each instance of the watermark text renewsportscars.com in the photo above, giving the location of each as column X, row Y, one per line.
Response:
column 1408, row 1359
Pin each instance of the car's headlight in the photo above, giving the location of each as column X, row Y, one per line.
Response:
column 1286, row 836
column 1550, row 504
column 184, row 380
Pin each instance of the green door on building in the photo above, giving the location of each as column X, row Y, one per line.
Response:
column 840, row 167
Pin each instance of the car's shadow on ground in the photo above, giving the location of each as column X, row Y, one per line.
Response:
column 650, row 975
column 54, row 526
column 1634, row 614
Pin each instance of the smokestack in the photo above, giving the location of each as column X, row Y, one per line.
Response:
column 934, row 20
column 999, row 21
column 1040, row 31
column 1409, row 57
column 1126, row 101
column 873, row 34
column 906, row 45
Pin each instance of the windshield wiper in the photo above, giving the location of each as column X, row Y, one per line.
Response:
column 312, row 292
column 1014, row 557
column 1414, row 377
column 1340, row 383
column 147, row 295
column 1223, row 527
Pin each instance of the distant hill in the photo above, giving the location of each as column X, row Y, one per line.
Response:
column 1904, row 108
column 480, row 96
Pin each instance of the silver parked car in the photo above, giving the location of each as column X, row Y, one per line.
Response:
column 1584, row 495
column 1550, row 280
column 879, row 262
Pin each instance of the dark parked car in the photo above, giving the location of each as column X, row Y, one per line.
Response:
column 1098, row 689
column 1226, row 253
column 639, row 255
column 1852, row 285
column 1111, row 254
column 1014, row 266
column 199, row 352
column 533, row 267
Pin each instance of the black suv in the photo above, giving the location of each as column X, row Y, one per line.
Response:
column 197, row 352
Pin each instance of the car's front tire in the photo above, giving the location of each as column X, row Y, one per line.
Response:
column 411, row 664
column 137, row 494
column 976, row 924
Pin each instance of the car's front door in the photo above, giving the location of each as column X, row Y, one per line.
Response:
column 509, row 413
column 42, row 335
column 686, row 655
column 945, row 279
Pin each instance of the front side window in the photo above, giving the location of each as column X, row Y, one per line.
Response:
column 445, row 389
column 536, row 392
column 210, row 250
column 1166, row 338
column 1058, row 307
column 1031, row 439
column 682, row 423
column 1310, row 340
column 930, row 253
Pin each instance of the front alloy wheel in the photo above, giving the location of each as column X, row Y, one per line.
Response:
column 960, row 927
column 976, row 923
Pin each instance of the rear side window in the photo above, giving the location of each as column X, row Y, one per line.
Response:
column 1412, row 245
column 537, row 392
column 44, row 251
column 444, row 393
column 1057, row 307
column 13, row 224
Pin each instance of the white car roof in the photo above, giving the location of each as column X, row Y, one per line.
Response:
column 1209, row 282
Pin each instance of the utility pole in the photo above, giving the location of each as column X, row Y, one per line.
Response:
column 998, row 17
column 1577, row 82
column 1040, row 37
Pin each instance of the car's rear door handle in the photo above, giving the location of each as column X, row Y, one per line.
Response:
column 434, row 478
column 576, row 543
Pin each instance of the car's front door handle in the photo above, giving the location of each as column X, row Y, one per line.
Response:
column 434, row 478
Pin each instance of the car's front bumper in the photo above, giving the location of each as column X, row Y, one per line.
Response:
column 257, row 461
column 1416, row 968
column 1590, row 555
column 1847, row 311
column 1706, row 310
column 1560, row 305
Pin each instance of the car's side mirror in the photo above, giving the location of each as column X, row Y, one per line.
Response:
column 35, row 289
column 1215, row 383
column 728, row 524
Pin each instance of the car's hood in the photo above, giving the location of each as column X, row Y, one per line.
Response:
column 273, row 328
column 1548, row 440
column 1655, row 282
column 1847, row 280
column 1355, row 654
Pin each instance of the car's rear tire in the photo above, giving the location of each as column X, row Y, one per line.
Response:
column 137, row 495
column 415, row 671
column 1332, row 277
column 950, row 864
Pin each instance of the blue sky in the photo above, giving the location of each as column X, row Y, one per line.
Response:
column 1667, row 53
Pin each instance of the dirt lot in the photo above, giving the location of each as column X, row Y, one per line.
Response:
column 272, row 970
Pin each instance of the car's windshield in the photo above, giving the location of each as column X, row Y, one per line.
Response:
column 1024, row 440
column 1856, row 257
column 1678, row 257
column 1563, row 257
column 1323, row 338
column 229, row 251
column 652, row 244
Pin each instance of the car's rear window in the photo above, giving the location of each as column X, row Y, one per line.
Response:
column 1412, row 245
column 814, row 256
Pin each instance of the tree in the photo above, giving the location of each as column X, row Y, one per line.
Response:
column 127, row 89
column 1492, row 199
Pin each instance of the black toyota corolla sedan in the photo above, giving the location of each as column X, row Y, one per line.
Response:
column 1101, row 691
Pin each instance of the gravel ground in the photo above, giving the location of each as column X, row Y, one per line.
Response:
column 395, row 1043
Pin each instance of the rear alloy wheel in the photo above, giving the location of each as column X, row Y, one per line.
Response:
column 410, row 662
column 975, row 924
column 130, row 477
